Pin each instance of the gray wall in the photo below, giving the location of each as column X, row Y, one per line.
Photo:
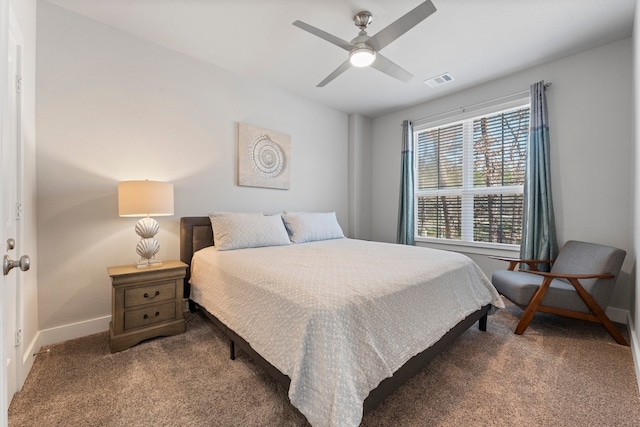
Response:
column 113, row 107
column 591, row 123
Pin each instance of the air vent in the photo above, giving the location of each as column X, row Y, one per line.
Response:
column 439, row 80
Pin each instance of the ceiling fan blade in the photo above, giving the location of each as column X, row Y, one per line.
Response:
column 401, row 25
column 324, row 35
column 341, row 69
column 385, row 65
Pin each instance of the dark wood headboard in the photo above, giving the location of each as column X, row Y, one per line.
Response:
column 195, row 234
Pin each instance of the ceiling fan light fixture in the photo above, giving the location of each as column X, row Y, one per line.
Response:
column 362, row 49
column 362, row 57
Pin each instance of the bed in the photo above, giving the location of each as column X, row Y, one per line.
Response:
column 337, row 358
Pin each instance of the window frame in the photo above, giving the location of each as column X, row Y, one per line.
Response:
column 468, row 114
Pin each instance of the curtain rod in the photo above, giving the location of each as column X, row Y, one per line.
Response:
column 463, row 109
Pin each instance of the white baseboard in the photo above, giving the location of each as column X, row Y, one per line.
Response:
column 56, row 335
column 635, row 347
column 27, row 360
column 72, row 331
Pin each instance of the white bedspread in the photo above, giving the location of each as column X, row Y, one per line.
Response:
column 338, row 316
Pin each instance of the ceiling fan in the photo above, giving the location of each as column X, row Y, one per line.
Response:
column 364, row 50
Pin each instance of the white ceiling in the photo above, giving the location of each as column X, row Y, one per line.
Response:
column 474, row 40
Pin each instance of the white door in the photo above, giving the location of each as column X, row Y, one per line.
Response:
column 10, row 161
column 4, row 102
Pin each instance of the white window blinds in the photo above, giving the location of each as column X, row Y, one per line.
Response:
column 470, row 177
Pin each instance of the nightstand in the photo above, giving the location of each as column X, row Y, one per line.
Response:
column 145, row 303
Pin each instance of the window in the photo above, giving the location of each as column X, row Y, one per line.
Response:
column 470, row 177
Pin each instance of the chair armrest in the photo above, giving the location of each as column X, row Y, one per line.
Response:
column 572, row 276
column 532, row 263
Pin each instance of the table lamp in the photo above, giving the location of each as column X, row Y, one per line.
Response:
column 146, row 199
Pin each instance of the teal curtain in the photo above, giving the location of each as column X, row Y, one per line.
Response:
column 405, row 210
column 538, row 228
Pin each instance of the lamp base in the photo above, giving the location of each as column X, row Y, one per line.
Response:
column 145, row 263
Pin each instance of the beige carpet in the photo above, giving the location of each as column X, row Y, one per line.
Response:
column 561, row 372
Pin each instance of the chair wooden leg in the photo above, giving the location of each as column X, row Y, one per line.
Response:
column 531, row 309
column 600, row 314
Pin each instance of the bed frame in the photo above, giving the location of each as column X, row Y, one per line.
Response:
column 196, row 233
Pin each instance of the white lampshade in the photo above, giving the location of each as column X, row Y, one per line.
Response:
column 362, row 57
column 145, row 198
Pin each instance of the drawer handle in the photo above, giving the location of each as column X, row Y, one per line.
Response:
column 146, row 295
column 146, row 316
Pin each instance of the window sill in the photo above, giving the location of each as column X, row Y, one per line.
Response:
column 491, row 249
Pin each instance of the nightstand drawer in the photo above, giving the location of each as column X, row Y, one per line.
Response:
column 148, row 294
column 149, row 315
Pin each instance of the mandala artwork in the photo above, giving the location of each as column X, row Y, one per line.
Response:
column 264, row 157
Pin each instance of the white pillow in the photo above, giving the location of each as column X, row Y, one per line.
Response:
column 246, row 230
column 312, row 226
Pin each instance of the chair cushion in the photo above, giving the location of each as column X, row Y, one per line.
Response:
column 519, row 287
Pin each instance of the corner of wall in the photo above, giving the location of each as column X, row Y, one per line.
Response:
column 635, row 347
column 360, row 169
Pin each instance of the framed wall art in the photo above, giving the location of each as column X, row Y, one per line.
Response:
column 264, row 157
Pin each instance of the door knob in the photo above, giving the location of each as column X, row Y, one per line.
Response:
column 7, row 264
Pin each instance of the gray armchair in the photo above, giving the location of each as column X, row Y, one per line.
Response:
column 579, row 284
